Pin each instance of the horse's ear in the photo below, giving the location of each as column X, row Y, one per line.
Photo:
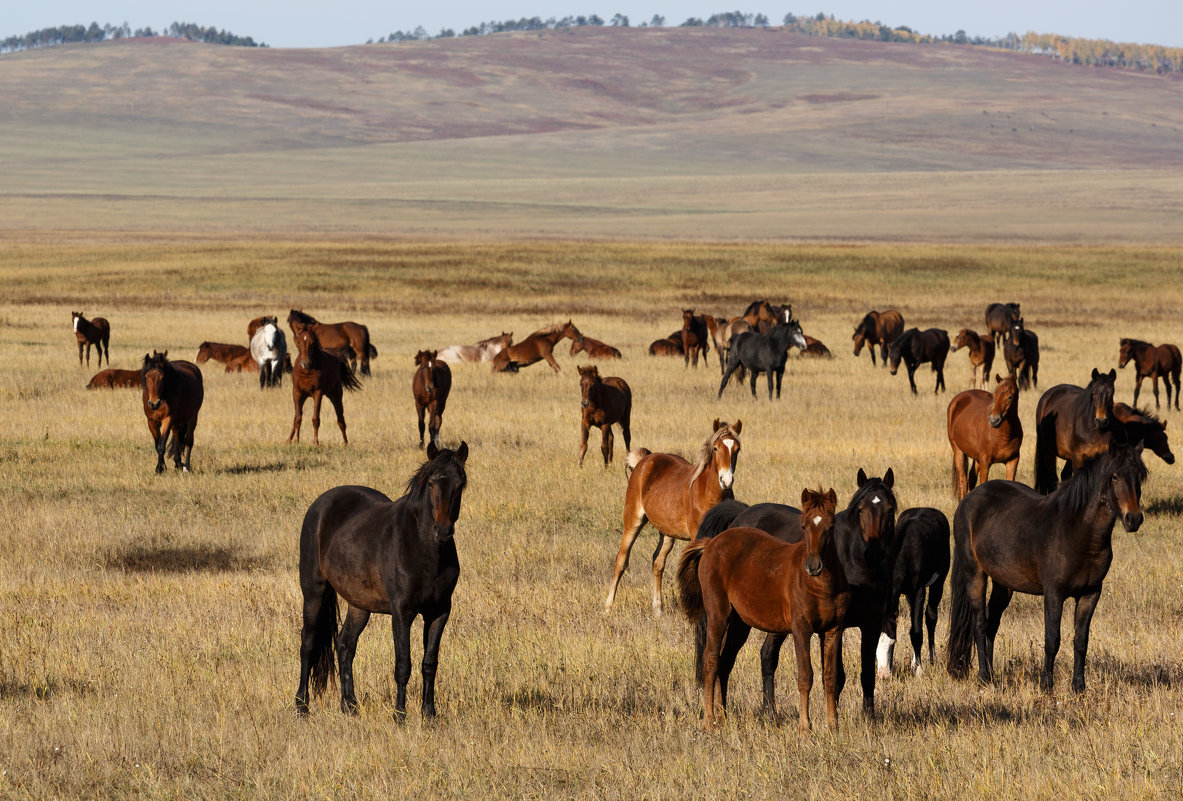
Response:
column 1095, row 374
column 862, row 477
column 832, row 497
column 432, row 451
column 889, row 478
column 805, row 497
column 737, row 427
column 998, row 378
column 716, row 425
column 462, row 452
column 1112, row 374
column 164, row 355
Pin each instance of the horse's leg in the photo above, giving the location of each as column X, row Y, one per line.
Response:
column 433, row 428
column 771, row 379
column 737, row 635
column 1000, row 598
column 401, row 621
column 716, row 626
column 976, row 590
column 80, row 346
column 664, row 546
column 732, row 365
column 355, row 622
column 1012, row 468
column 939, row 367
column 606, row 440
column 1053, row 612
column 189, row 444
column 831, row 646
column 419, row 409
column 317, row 398
column 548, row 354
column 634, row 521
column 912, row 376
column 1137, row 387
column 769, row 660
column 433, row 630
column 1085, row 606
column 298, row 398
column 160, row 433
column 262, row 374
column 960, row 479
column 1154, row 383
column 583, row 429
column 804, row 677
column 338, row 402
column 935, row 591
column 869, row 639
column 916, row 606
column 314, row 598
column 179, row 434
column 754, row 377
column 780, row 374
column 625, row 424
column 885, row 650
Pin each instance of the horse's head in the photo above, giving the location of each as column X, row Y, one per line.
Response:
column 896, row 352
column 874, row 507
column 588, row 378
column 1006, row 398
column 569, row 330
column 817, row 524
column 1144, row 427
column 1124, row 493
column 860, row 333
column 445, row 483
column 796, row 335
column 578, row 345
column 1016, row 331
column 1123, row 357
column 298, row 320
column 77, row 316
column 506, row 339
column 687, row 318
column 154, row 374
column 961, row 340
column 1100, row 391
column 307, row 347
column 724, row 445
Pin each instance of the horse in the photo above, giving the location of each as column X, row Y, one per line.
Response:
column 695, row 337
column 670, row 346
column 95, row 332
column 245, row 363
column 1072, row 423
column 430, row 385
column 605, row 401
column 984, row 428
column 1152, row 362
column 764, row 353
column 222, row 352
column 744, row 578
column 865, row 535
column 269, row 348
column 594, row 348
column 920, row 563
column 536, row 347
column 1141, row 426
column 981, row 355
column 673, row 494
column 253, row 326
column 914, row 347
column 1000, row 317
column 482, row 351
column 318, row 374
column 814, row 348
column 1059, row 546
column 759, row 312
column 1021, row 351
column 172, row 392
column 878, row 328
column 726, row 332
column 115, row 379
column 337, row 336
column 395, row 558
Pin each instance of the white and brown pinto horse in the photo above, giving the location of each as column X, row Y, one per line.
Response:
column 482, row 351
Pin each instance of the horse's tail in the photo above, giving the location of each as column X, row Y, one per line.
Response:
column 1045, row 454
column 349, row 378
column 634, row 458
column 370, row 349
column 961, row 617
column 322, row 660
column 719, row 518
column 689, row 587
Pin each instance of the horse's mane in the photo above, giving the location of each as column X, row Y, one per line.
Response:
column 870, row 485
column 416, row 487
column 1084, row 485
column 905, row 339
column 550, row 329
column 815, row 501
column 1137, row 415
column 753, row 307
column 1135, row 342
column 704, row 455
column 301, row 317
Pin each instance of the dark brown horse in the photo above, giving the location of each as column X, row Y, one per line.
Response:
column 1072, row 423
column 394, row 558
column 594, row 348
column 95, row 332
column 173, row 392
column 878, row 328
column 338, row 336
column 673, row 494
column 1000, row 317
column 1058, row 546
column 318, row 374
column 1141, row 426
column 984, row 428
column 116, row 379
column 981, row 356
column 1021, row 351
column 605, row 401
column 670, row 346
column 914, row 347
column 1152, row 362
column 745, row 578
column 430, row 385
column 536, row 347
column 920, row 562
column 695, row 337
column 220, row 352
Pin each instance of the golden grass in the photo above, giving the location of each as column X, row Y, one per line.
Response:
column 149, row 625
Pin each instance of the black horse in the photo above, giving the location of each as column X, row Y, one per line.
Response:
column 914, row 347
column 865, row 534
column 393, row 557
column 919, row 565
column 764, row 353
column 1059, row 546
column 1021, row 350
column 999, row 319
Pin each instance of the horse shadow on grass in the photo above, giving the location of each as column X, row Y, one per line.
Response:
column 151, row 557
column 250, row 469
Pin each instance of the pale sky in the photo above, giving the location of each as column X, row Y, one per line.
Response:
column 320, row 23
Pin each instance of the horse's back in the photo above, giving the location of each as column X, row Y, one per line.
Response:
column 1054, row 400
column 967, row 412
column 776, row 519
column 922, row 536
column 890, row 325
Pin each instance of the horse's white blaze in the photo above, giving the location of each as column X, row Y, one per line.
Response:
column 730, row 443
column 76, row 319
column 727, row 474
column 876, row 499
column 933, row 580
column 883, row 653
column 817, row 520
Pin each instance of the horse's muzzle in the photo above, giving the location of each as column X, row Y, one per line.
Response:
column 994, row 420
column 1132, row 521
column 813, row 566
column 1169, row 458
column 154, row 405
column 444, row 531
column 726, row 479
column 305, row 364
column 583, row 404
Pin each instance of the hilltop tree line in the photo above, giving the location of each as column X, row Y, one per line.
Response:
column 71, row 34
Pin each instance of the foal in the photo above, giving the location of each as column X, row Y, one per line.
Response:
column 981, row 355
column 430, row 385
column 97, row 332
column 605, row 401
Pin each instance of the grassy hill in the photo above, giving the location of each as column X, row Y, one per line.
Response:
column 590, row 132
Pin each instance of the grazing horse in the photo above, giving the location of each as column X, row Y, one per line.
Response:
column 594, row 348
column 318, row 374
column 865, row 534
column 95, row 332
column 981, row 356
column 430, row 385
column 764, row 353
column 395, row 558
column 919, row 565
column 605, row 401
column 338, row 336
column 1059, row 546
column 173, row 392
column 814, row 349
column 1072, row 423
column 1152, row 362
column 984, row 428
column 674, row 494
column 1141, row 426
column 1021, row 351
column 745, row 578
column 914, row 347
column 269, row 348
column 482, row 351
column 878, row 328
column 1000, row 317
column 695, row 337
column 245, row 363
column 670, row 346
column 536, row 347
column 220, row 352
column 115, row 379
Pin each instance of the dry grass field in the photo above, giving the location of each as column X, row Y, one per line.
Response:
column 149, row 625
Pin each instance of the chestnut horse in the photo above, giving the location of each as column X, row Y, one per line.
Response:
column 536, row 347
column 878, row 328
column 1058, row 546
column 1152, row 362
column 594, row 348
column 670, row 346
column 1000, row 317
column 115, row 379
column 695, row 337
column 674, row 494
column 1021, row 351
column 814, row 349
column 1072, row 423
column 245, row 363
column 318, row 374
column 984, row 428
column 981, row 356
column 605, row 401
column 482, row 351
column 173, row 392
column 430, row 385
column 220, row 352
column 338, row 336
column 914, row 347
column 745, row 578
column 95, row 332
